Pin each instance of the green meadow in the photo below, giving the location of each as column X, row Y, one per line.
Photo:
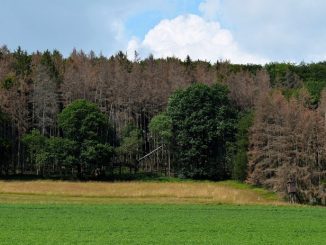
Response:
column 160, row 224
column 58, row 212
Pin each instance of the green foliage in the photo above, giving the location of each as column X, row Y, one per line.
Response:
column 61, row 151
column 281, row 74
column 287, row 75
column 35, row 143
column 239, row 161
column 315, row 88
column 313, row 71
column 22, row 63
column 124, row 61
column 94, row 153
column 289, row 93
column 83, row 120
column 84, row 143
column 41, row 158
column 54, row 150
column 8, row 82
column 252, row 68
column 47, row 60
column 35, row 140
column 129, row 129
column 161, row 125
column 262, row 192
column 202, row 122
column 130, row 142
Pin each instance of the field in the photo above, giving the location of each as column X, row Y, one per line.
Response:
column 47, row 212
column 160, row 224
column 226, row 192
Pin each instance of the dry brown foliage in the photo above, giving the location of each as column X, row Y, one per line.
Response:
column 288, row 141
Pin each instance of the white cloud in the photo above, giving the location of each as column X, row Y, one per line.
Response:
column 133, row 45
column 118, row 29
column 194, row 36
column 209, row 8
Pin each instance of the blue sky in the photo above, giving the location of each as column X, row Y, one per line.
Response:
column 242, row 31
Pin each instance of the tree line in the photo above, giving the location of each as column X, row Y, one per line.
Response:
column 90, row 115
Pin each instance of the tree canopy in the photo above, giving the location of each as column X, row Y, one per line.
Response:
column 82, row 120
column 202, row 122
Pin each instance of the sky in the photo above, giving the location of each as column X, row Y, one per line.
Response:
column 241, row 31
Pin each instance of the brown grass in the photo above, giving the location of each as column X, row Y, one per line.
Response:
column 129, row 192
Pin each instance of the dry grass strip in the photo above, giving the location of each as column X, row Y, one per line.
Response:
column 128, row 192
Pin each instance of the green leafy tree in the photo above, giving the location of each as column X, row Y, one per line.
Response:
column 61, row 152
column 35, row 143
column 130, row 145
column 54, row 151
column 239, row 161
column 202, row 122
column 84, row 123
column 161, row 126
column 96, row 154
column 83, row 120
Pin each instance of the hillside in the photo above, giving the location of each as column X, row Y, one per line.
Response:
column 95, row 117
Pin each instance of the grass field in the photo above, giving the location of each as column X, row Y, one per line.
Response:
column 49, row 212
column 160, row 224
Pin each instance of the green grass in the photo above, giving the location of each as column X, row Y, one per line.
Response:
column 266, row 194
column 151, row 212
column 160, row 224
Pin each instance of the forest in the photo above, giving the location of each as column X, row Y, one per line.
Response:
column 93, row 117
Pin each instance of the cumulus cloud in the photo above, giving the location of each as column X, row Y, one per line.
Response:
column 209, row 8
column 194, row 36
column 133, row 45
